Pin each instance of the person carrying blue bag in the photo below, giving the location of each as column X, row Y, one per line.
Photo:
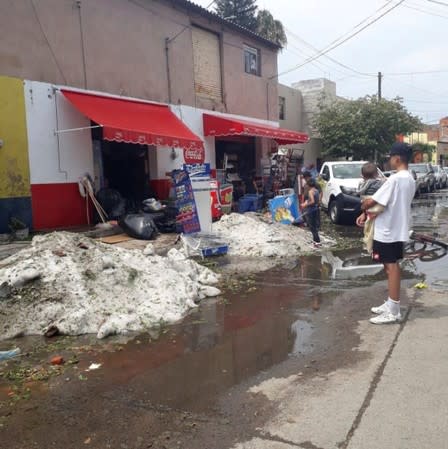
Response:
column 310, row 208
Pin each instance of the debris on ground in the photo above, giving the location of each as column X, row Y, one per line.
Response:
column 97, row 288
column 94, row 366
column 6, row 355
column 252, row 235
column 57, row 360
column 420, row 285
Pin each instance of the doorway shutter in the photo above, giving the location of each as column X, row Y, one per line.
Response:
column 207, row 64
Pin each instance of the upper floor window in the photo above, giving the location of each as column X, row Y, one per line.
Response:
column 252, row 60
column 281, row 108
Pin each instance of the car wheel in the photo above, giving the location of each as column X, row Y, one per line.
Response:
column 334, row 212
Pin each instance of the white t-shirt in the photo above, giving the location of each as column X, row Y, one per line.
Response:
column 396, row 195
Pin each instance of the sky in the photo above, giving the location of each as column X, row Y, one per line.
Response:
column 407, row 40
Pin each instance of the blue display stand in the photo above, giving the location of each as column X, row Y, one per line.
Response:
column 187, row 218
column 285, row 209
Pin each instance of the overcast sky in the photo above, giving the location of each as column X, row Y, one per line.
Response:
column 404, row 40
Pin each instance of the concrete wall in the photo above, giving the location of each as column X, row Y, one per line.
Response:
column 57, row 161
column 14, row 169
column 117, row 46
column 293, row 108
column 297, row 119
column 313, row 91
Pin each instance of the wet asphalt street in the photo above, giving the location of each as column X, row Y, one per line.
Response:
column 192, row 385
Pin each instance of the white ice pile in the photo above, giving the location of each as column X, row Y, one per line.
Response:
column 251, row 235
column 83, row 286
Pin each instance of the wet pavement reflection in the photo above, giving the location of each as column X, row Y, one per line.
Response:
column 190, row 381
column 223, row 343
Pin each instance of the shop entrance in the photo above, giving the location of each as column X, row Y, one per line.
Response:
column 236, row 164
column 126, row 169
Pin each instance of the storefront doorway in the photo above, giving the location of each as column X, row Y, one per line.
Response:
column 126, row 169
column 235, row 161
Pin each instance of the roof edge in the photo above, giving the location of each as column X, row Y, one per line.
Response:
column 190, row 6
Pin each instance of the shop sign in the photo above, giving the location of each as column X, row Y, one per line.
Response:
column 194, row 155
column 198, row 169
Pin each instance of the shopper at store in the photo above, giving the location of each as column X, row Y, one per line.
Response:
column 310, row 209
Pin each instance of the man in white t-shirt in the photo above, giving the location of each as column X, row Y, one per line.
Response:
column 392, row 228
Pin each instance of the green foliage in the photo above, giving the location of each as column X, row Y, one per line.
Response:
column 362, row 127
column 244, row 13
column 270, row 28
column 241, row 12
column 425, row 148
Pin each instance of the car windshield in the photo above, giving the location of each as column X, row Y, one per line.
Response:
column 419, row 168
column 347, row 171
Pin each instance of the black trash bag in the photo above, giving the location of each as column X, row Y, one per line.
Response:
column 112, row 202
column 139, row 226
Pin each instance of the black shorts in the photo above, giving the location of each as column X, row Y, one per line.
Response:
column 387, row 252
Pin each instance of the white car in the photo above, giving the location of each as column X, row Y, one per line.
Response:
column 342, row 179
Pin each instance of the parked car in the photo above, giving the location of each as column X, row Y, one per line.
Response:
column 413, row 173
column 426, row 180
column 341, row 181
column 441, row 177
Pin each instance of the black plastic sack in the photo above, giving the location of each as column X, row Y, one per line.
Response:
column 139, row 226
column 112, row 202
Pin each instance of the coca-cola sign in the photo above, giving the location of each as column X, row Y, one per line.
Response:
column 194, row 155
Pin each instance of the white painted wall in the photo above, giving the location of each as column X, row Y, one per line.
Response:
column 66, row 159
column 54, row 160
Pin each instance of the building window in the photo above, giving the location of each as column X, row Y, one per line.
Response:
column 207, row 64
column 281, row 108
column 252, row 61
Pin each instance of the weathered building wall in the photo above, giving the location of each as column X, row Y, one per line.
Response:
column 14, row 168
column 119, row 47
column 57, row 160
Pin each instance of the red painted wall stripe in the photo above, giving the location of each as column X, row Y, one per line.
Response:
column 57, row 206
column 161, row 188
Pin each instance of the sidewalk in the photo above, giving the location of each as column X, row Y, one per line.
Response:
column 396, row 398
column 409, row 407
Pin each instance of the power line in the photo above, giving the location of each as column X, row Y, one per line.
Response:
column 36, row 15
column 332, row 47
column 302, row 53
column 415, row 8
column 427, row 92
column 437, row 2
column 328, row 57
column 426, row 72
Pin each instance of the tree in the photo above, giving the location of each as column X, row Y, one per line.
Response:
column 241, row 12
column 363, row 128
column 270, row 28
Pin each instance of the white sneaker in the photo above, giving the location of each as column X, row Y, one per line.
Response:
column 386, row 318
column 380, row 309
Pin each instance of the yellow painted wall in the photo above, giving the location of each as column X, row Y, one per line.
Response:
column 416, row 138
column 14, row 166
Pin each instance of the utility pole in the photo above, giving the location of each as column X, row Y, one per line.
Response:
column 380, row 79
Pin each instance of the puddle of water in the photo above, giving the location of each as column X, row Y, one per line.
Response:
column 221, row 344
column 430, row 216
